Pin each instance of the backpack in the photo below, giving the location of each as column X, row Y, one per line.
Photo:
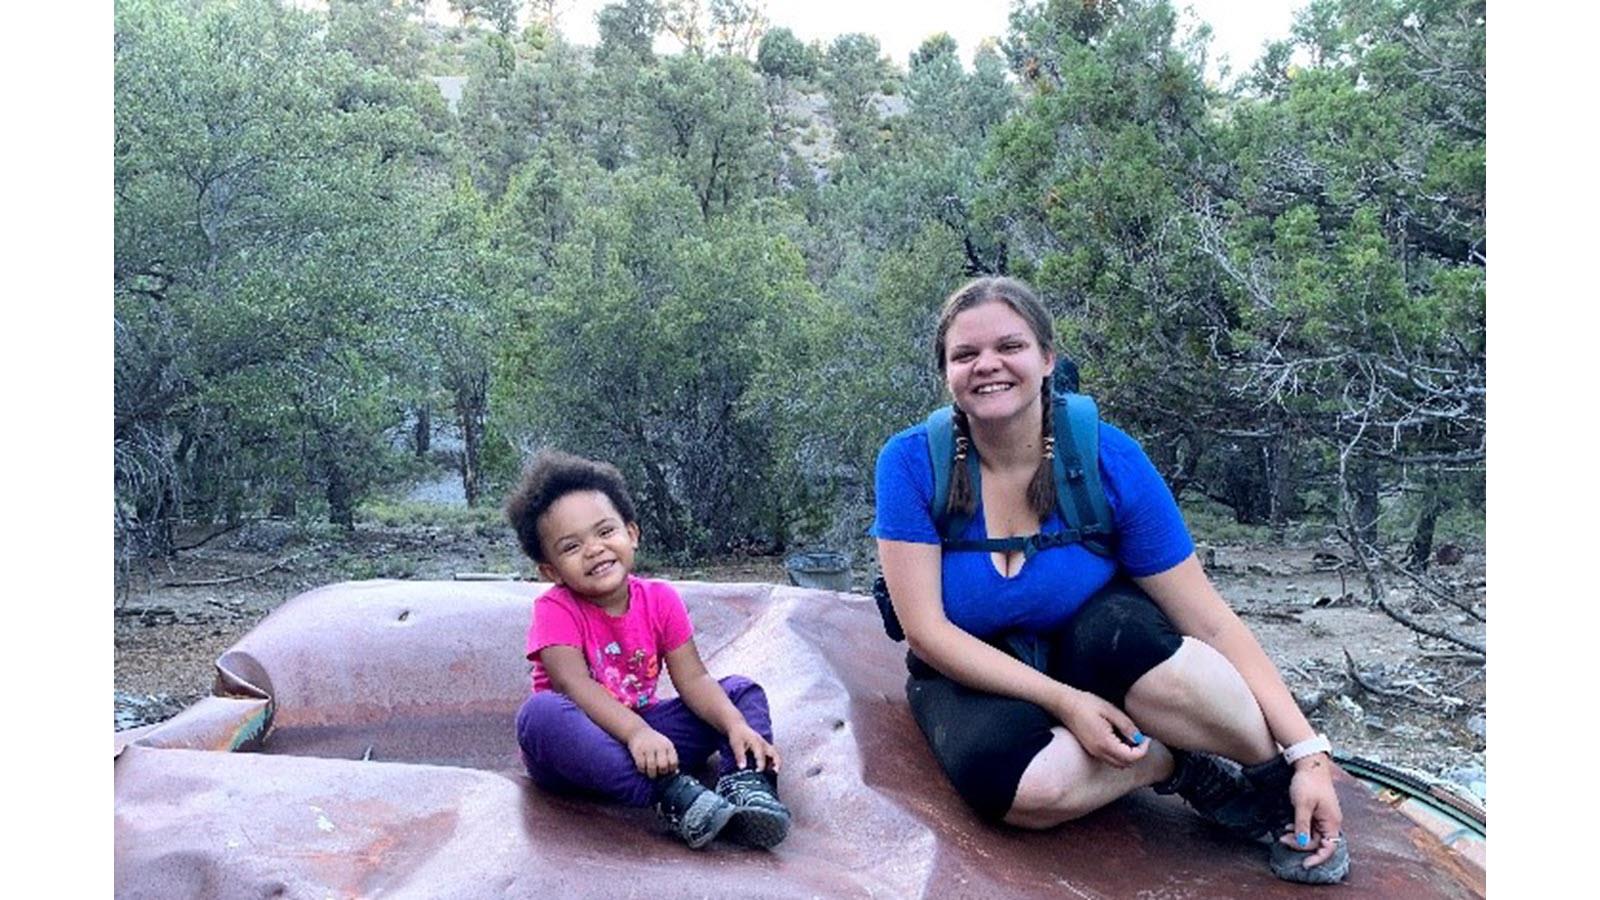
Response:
column 1080, row 497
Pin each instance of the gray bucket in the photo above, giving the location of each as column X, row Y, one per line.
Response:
column 823, row 570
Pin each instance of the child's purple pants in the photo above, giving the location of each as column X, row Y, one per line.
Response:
column 567, row 752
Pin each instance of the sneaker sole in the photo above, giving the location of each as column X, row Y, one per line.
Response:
column 719, row 821
column 760, row 828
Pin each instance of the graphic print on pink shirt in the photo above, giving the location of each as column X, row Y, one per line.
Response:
column 623, row 652
column 629, row 675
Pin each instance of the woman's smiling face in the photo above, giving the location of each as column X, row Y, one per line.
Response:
column 994, row 364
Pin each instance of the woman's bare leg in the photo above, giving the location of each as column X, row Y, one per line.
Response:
column 1064, row 782
column 1197, row 700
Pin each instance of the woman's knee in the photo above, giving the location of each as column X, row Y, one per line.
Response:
column 1055, row 788
column 1195, row 674
column 1198, row 700
column 1117, row 639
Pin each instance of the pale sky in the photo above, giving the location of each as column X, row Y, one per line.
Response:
column 1238, row 26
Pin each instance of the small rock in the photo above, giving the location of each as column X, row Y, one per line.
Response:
column 1350, row 709
column 1479, row 725
column 263, row 536
column 1473, row 778
column 1448, row 555
column 1325, row 560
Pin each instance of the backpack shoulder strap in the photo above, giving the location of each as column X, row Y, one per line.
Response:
column 942, row 453
column 941, row 450
column 1080, row 496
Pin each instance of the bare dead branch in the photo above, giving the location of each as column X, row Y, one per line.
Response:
column 1452, row 656
column 1355, row 676
column 1430, row 632
column 215, row 534
column 1428, row 585
column 215, row 582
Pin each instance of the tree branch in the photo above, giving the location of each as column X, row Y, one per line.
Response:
column 214, row 582
column 1423, row 629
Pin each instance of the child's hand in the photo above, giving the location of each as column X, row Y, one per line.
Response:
column 652, row 753
column 748, row 743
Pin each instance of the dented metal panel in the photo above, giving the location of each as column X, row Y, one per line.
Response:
column 364, row 747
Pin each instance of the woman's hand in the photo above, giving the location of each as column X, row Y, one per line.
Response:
column 1105, row 731
column 652, row 753
column 1317, row 817
column 747, row 743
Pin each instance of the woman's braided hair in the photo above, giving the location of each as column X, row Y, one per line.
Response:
column 1022, row 301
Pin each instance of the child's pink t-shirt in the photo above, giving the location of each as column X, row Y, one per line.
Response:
column 624, row 652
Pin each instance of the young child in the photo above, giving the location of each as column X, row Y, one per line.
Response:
column 594, row 724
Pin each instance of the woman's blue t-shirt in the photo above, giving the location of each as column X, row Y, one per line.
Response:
column 1150, row 538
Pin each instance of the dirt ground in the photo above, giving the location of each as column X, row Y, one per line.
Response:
column 1380, row 689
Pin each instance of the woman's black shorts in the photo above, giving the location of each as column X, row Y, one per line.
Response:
column 984, row 742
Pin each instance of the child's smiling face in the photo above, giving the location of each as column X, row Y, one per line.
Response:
column 589, row 548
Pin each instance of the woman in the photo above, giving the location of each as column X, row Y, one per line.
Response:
column 1150, row 676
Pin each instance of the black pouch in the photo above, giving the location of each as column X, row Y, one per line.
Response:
column 891, row 622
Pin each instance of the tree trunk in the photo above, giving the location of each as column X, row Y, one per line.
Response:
column 341, row 505
column 1280, row 459
column 153, row 529
column 1421, row 549
column 472, row 400
column 1364, row 495
column 422, row 431
column 1245, row 483
column 284, row 505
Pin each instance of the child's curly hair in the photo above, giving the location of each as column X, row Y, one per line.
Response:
column 553, row 475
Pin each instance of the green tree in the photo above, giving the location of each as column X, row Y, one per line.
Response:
column 1351, row 233
column 854, row 70
column 501, row 14
column 853, row 370
column 1094, row 178
column 706, row 116
column 783, row 55
column 450, row 293
column 251, row 223
column 628, row 29
column 641, row 353
column 381, row 34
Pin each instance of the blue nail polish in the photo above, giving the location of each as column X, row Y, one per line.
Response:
column 1138, row 738
column 1302, row 839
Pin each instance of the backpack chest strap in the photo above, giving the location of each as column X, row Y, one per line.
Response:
column 1026, row 545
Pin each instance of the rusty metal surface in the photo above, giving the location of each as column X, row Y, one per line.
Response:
column 366, row 749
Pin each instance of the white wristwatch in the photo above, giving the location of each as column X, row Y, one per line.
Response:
column 1296, row 752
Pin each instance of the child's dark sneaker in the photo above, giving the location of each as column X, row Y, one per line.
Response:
column 760, row 819
column 1218, row 790
column 692, row 811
